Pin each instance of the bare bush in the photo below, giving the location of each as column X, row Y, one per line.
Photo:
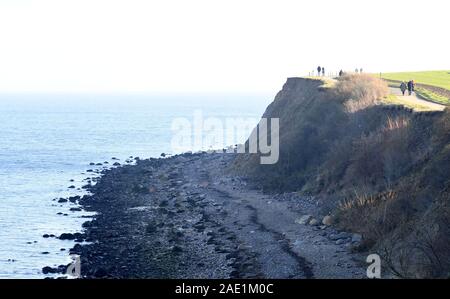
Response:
column 369, row 214
column 361, row 91
column 396, row 156
column 361, row 200
column 381, row 156
column 420, row 250
column 396, row 123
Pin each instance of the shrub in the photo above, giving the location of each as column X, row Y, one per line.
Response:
column 360, row 91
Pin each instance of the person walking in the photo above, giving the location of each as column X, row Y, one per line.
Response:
column 341, row 73
column 323, row 71
column 410, row 87
column 318, row 70
column 361, row 70
column 413, row 86
column 403, row 87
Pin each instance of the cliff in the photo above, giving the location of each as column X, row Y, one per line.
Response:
column 379, row 170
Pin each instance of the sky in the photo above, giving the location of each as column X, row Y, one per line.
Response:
column 205, row 46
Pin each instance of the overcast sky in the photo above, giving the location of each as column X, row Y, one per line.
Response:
column 193, row 46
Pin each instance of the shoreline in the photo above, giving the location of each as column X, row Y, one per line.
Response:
column 185, row 217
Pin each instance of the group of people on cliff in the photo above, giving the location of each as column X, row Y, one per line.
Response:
column 410, row 86
column 321, row 71
column 357, row 71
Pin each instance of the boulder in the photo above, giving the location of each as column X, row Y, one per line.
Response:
column 77, row 249
column 47, row 270
column 151, row 228
column 67, row 236
column 356, row 238
column 304, row 219
column 185, row 186
column 177, row 249
column 327, row 220
column 341, row 241
column 314, row 222
column 73, row 199
column 338, row 236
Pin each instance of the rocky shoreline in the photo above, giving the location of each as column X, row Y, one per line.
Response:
column 186, row 217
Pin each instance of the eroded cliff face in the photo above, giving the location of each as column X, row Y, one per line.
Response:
column 379, row 170
column 313, row 119
column 296, row 92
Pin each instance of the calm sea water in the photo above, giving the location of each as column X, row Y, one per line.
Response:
column 47, row 141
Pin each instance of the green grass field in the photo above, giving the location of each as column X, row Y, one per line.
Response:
column 435, row 78
column 431, row 96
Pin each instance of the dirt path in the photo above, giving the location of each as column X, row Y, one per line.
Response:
column 414, row 101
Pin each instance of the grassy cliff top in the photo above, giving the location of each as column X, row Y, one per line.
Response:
column 326, row 82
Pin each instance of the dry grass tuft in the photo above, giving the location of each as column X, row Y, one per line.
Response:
column 361, row 91
column 363, row 200
column 396, row 123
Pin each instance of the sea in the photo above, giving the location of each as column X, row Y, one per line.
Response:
column 48, row 141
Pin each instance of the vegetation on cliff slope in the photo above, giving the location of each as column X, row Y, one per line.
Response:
column 382, row 171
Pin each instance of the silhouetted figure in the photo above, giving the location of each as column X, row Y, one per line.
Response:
column 318, row 70
column 323, row 71
column 403, row 88
column 360, row 70
column 410, row 87
column 356, row 70
column 341, row 73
